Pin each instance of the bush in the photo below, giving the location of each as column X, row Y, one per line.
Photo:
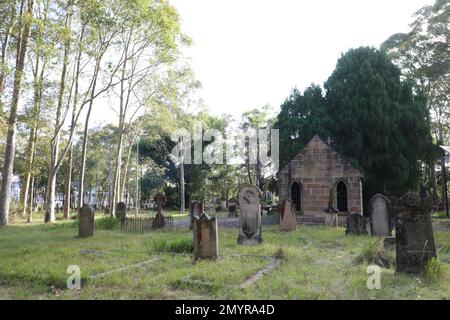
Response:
column 176, row 246
column 106, row 223
column 181, row 246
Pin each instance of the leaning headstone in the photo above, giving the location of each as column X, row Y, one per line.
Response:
column 206, row 241
column 414, row 233
column 196, row 210
column 356, row 224
column 287, row 216
column 86, row 223
column 379, row 216
column 250, row 217
column 121, row 211
column 232, row 208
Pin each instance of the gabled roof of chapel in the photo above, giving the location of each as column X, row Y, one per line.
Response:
column 317, row 137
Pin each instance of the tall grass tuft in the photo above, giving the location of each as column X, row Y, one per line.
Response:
column 373, row 253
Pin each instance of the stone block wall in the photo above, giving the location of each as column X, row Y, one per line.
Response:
column 317, row 168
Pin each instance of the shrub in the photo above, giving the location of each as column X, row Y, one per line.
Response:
column 106, row 223
column 184, row 245
column 181, row 246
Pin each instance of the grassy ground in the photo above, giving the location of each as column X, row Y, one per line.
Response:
column 318, row 263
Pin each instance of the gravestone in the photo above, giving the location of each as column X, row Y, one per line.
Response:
column 250, row 217
column 206, row 241
column 232, row 208
column 121, row 211
column 159, row 221
column 287, row 216
column 86, row 223
column 414, row 233
column 356, row 224
column 196, row 210
column 380, row 225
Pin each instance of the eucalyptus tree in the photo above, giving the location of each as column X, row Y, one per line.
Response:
column 423, row 55
column 8, row 13
column 41, row 53
column 95, row 31
column 149, row 44
column 25, row 18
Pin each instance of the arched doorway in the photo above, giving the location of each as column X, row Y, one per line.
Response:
column 296, row 196
column 341, row 197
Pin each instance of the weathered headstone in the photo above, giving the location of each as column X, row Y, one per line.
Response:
column 206, row 241
column 232, row 208
column 121, row 211
column 356, row 224
column 196, row 210
column 414, row 233
column 380, row 225
column 287, row 216
column 86, row 223
column 250, row 217
column 159, row 221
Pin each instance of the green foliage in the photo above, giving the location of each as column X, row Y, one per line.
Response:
column 106, row 223
column 302, row 116
column 372, row 117
column 435, row 270
column 376, row 120
column 372, row 252
column 318, row 266
column 159, row 245
column 181, row 245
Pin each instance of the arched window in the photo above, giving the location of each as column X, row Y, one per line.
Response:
column 341, row 192
column 296, row 196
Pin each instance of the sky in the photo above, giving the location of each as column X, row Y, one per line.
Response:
column 249, row 53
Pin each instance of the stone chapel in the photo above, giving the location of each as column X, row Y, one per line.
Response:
column 318, row 177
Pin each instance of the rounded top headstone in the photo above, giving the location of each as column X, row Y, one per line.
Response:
column 87, row 210
column 250, row 194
